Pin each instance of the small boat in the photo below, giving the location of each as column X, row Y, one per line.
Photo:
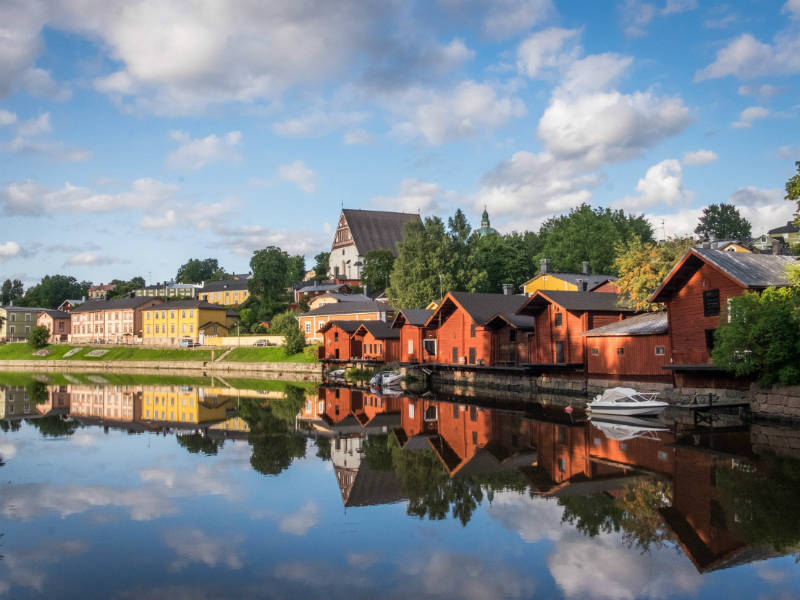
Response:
column 386, row 379
column 337, row 374
column 626, row 401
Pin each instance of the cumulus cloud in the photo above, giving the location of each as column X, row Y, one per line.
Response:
column 195, row 546
column 593, row 73
column 196, row 153
column 506, row 18
column 28, row 567
column 19, row 30
column 662, row 184
column 746, row 58
column 764, row 91
column 414, row 195
column 7, row 118
column 9, row 250
column 34, row 199
column 243, row 240
column 28, row 141
column 748, row 115
column 317, row 123
column 300, row 522
column 792, row 8
column 37, row 126
column 700, row 157
column 39, row 82
column 637, row 15
column 300, row 174
column 358, row 137
column 544, row 50
column 90, row 259
column 438, row 117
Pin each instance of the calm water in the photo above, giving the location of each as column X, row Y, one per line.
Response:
column 113, row 488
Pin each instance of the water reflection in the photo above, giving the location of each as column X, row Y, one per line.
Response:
column 613, row 502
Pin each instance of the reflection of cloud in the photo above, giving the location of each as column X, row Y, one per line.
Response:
column 8, row 449
column 300, row 522
column 195, row 546
column 533, row 518
column 25, row 567
column 769, row 574
column 362, row 561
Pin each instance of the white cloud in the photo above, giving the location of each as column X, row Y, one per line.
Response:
column 196, row 153
column 764, row 91
column 317, row 123
column 34, row 199
column 746, row 57
column 9, row 250
column 610, row 126
column 90, row 259
column 28, row 567
column 195, row 546
column 297, row 172
column 506, row 18
column 468, row 109
column 662, row 184
column 764, row 208
column 243, row 240
column 358, row 137
column 788, row 151
column 594, row 73
column 7, row 118
column 163, row 221
column 414, row 195
column 542, row 51
column 37, row 126
column 19, row 29
column 792, row 8
column 748, row 115
column 26, row 141
column 39, row 82
column 637, row 15
column 700, row 157
column 678, row 6
column 300, row 522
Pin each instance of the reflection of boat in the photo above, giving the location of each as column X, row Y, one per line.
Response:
column 386, row 391
column 385, row 379
column 337, row 374
column 621, row 427
column 626, row 401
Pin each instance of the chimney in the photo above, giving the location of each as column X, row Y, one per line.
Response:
column 586, row 270
column 507, row 289
column 544, row 266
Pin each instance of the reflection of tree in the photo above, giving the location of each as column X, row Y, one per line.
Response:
column 7, row 426
column 433, row 493
column 323, row 448
column 634, row 512
column 37, row 391
column 377, row 453
column 53, row 426
column 764, row 500
column 197, row 443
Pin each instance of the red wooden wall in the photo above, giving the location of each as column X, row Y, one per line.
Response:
column 639, row 355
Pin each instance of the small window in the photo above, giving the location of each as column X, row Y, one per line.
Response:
column 620, row 351
column 335, row 336
column 659, row 350
column 411, row 346
column 410, row 411
column 710, row 303
column 512, row 335
column 172, row 314
column 475, row 438
column 710, row 339
column 472, row 330
column 562, row 465
column 559, row 319
column 308, row 327
column 595, row 351
column 183, row 314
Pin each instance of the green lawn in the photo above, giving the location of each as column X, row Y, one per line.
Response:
column 268, row 354
column 122, row 353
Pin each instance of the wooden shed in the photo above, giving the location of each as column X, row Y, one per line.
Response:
column 378, row 341
column 411, row 324
column 337, row 340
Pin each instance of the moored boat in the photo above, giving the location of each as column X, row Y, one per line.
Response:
column 386, row 379
column 626, row 401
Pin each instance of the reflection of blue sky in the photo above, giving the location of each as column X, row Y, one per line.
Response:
column 149, row 520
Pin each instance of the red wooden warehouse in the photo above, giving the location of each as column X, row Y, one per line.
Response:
column 411, row 324
column 635, row 348
column 562, row 318
column 378, row 341
column 338, row 343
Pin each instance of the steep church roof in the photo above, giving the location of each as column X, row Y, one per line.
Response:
column 376, row 229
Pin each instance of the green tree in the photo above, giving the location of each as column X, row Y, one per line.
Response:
column 377, row 269
column 52, row 290
column 321, row 266
column 39, row 337
column 11, row 290
column 588, row 234
column 761, row 336
column 283, row 323
column 642, row 266
column 793, row 190
column 272, row 275
column 197, row 270
column 295, row 341
column 124, row 288
column 722, row 222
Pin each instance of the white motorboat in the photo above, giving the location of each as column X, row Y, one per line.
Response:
column 337, row 374
column 386, row 379
column 626, row 401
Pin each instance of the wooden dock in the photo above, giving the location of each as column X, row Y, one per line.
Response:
column 704, row 408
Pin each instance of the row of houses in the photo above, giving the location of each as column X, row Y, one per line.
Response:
column 570, row 331
column 136, row 319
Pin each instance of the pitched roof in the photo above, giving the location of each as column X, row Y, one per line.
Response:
column 375, row 229
column 56, row 314
column 23, row 308
column 653, row 323
column 345, row 297
column 788, row 228
column 190, row 304
column 208, row 324
column 574, row 301
column 344, row 308
column 415, row 317
column 482, row 307
column 380, row 330
column 115, row 304
column 322, row 287
column 756, row 271
column 593, row 281
column 104, row 287
column 227, row 284
column 348, row 326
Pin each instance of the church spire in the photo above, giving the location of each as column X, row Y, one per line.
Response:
column 485, row 217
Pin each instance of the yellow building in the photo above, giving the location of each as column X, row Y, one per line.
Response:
column 171, row 322
column 182, row 404
column 735, row 247
column 567, row 282
column 231, row 292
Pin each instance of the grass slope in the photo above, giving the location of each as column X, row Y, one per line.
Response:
column 122, row 353
column 268, row 354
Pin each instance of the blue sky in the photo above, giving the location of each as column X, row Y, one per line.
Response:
column 135, row 135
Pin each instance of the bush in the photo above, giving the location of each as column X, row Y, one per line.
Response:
column 295, row 341
column 39, row 337
column 311, row 350
column 283, row 323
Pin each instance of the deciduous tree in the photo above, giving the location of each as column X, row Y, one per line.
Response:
column 38, row 337
column 197, row 270
column 722, row 222
column 52, row 290
column 10, row 291
column 377, row 269
column 321, row 266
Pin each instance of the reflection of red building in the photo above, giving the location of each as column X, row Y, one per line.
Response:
column 411, row 324
column 338, row 343
column 378, row 341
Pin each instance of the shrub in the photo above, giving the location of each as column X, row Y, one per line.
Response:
column 295, row 341
column 39, row 337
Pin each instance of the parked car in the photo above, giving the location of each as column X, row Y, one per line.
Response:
column 187, row 343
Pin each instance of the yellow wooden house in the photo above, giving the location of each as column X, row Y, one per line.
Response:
column 182, row 404
column 169, row 323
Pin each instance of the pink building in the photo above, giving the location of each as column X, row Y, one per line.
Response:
column 57, row 323
column 109, row 321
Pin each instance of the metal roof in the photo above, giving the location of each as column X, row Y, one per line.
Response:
column 592, row 280
column 788, row 228
column 344, row 308
column 115, row 304
column 576, row 301
column 654, row 323
column 413, row 316
column 345, row 297
column 322, row 287
column 56, row 314
column 227, row 284
column 347, row 326
column 380, row 330
column 375, row 229
column 484, row 307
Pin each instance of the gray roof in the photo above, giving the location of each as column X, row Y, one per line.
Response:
column 347, row 326
column 484, row 307
column 593, row 280
column 322, row 287
column 115, row 304
column 756, row 271
column 576, row 301
column 23, row 308
column 227, row 284
column 346, row 297
column 380, row 330
column 344, row 308
column 190, row 304
column 654, row 323
column 788, row 228
column 56, row 314
column 375, row 229
column 416, row 317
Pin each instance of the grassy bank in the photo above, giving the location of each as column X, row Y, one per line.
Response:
column 268, row 354
column 121, row 353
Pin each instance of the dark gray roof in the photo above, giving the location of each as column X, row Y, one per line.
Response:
column 380, row 330
column 24, row 308
column 346, row 297
column 371, row 488
column 788, row 228
column 348, row 326
column 654, row 323
column 56, row 314
column 221, row 286
column 374, row 229
column 578, row 301
column 322, row 287
column 210, row 323
column 593, row 281
column 484, row 307
column 416, row 317
column 115, row 304
column 344, row 308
